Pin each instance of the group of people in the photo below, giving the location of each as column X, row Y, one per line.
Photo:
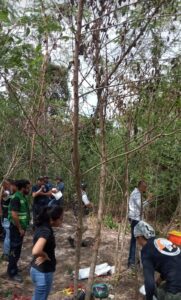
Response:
column 47, row 210
column 157, row 254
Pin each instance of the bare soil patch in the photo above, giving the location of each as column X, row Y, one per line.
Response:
column 125, row 289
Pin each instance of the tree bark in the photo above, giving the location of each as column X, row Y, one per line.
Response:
column 76, row 159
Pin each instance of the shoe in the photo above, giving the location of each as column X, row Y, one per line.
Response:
column 16, row 278
column 71, row 242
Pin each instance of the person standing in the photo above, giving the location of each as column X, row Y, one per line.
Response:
column 41, row 196
column 19, row 217
column 48, row 184
column 85, row 211
column 60, row 186
column 135, row 215
column 9, row 189
column 162, row 256
column 44, row 262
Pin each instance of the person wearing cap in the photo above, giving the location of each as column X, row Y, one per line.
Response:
column 48, row 184
column 136, row 206
column 162, row 256
column 41, row 196
column 86, row 206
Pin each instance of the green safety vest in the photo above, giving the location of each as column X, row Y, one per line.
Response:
column 23, row 213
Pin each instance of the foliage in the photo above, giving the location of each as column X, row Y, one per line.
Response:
column 129, row 58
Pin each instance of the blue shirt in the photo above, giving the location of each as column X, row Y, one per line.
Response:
column 60, row 186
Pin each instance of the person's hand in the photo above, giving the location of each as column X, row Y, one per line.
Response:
column 41, row 259
column 49, row 193
column 22, row 232
column 150, row 196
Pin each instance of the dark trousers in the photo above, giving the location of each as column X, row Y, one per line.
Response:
column 16, row 242
column 132, row 250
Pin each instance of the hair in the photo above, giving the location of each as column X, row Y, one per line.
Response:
column 22, row 183
column 49, row 213
column 59, row 178
column 141, row 182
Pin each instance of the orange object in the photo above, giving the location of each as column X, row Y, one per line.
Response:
column 175, row 237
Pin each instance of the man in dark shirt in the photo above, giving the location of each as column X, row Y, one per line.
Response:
column 41, row 196
column 48, row 184
column 160, row 255
column 19, row 218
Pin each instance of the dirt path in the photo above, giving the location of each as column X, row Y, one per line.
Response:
column 65, row 264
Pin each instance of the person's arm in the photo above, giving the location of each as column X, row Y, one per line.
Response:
column 15, row 208
column 148, row 200
column 149, row 279
column 86, row 201
column 41, row 193
column 38, row 252
column 16, row 222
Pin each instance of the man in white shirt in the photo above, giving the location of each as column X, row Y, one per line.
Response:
column 136, row 206
column 85, row 211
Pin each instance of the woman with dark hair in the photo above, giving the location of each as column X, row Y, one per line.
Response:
column 44, row 261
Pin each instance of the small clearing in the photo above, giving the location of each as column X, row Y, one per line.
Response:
column 126, row 288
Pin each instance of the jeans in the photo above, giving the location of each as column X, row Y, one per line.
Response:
column 16, row 241
column 132, row 250
column 42, row 282
column 54, row 202
column 6, row 245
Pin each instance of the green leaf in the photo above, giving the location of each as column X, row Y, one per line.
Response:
column 4, row 16
column 65, row 38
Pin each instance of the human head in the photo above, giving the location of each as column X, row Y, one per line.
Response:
column 142, row 186
column 58, row 179
column 23, row 185
column 6, row 184
column 50, row 215
column 46, row 178
column 142, row 232
column 40, row 181
column 13, row 187
column 83, row 186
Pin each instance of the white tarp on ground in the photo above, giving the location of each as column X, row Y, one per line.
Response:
column 102, row 269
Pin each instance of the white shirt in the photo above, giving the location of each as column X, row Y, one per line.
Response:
column 135, row 205
column 85, row 199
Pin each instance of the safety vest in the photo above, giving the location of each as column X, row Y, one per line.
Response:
column 23, row 213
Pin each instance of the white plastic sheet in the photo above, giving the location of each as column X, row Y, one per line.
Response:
column 101, row 269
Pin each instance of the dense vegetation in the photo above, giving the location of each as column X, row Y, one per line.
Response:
column 129, row 53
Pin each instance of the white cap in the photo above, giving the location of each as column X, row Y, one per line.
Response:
column 144, row 229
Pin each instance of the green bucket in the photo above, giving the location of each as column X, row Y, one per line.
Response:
column 100, row 290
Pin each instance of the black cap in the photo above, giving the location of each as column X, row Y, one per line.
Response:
column 40, row 178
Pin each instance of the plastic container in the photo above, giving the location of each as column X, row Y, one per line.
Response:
column 175, row 237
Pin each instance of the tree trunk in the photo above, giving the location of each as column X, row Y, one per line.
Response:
column 76, row 160
column 101, row 198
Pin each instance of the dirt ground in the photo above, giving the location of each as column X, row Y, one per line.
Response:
column 125, row 289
